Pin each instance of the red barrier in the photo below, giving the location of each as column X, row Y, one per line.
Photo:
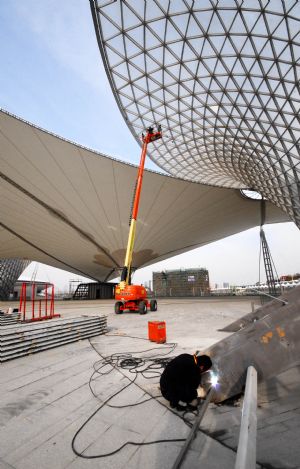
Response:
column 42, row 311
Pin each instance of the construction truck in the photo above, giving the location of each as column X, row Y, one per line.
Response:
column 134, row 297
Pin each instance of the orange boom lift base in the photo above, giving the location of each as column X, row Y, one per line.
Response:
column 134, row 297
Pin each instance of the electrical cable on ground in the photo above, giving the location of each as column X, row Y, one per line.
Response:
column 128, row 364
column 137, row 365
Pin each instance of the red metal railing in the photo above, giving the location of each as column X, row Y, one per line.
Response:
column 45, row 310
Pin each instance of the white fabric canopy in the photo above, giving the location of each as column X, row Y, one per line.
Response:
column 68, row 207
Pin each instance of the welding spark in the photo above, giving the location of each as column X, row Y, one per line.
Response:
column 213, row 379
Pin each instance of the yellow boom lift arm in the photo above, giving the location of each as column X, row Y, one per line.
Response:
column 134, row 297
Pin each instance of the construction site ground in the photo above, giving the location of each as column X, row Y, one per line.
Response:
column 46, row 397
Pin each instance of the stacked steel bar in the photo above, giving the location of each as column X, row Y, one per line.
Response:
column 7, row 319
column 24, row 339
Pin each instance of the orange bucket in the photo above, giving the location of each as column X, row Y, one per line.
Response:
column 157, row 331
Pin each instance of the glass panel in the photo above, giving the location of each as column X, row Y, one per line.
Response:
column 222, row 78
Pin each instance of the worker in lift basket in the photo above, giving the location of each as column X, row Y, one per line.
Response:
column 181, row 378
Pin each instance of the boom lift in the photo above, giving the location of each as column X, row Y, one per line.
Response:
column 128, row 296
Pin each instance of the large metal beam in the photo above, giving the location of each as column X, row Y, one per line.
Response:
column 258, row 313
column 270, row 344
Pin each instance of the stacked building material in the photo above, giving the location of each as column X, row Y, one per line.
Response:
column 9, row 318
column 24, row 339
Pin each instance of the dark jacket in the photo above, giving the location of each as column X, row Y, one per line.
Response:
column 180, row 379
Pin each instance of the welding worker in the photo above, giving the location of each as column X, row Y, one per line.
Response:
column 181, row 378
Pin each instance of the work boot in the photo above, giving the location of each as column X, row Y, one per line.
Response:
column 181, row 406
column 193, row 405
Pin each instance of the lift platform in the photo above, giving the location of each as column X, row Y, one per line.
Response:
column 134, row 297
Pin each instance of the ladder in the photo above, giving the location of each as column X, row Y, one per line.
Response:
column 267, row 255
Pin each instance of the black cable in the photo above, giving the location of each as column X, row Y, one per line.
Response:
column 134, row 365
column 107, row 361
column 131, row 336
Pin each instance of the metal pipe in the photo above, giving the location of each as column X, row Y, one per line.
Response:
column 32, row 298
column 24, row 298
column 194, row 429
column 52, row 302
column 46, row 300
column 246, row 453
column 259, row 292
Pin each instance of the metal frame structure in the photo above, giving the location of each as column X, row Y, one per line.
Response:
column 273, row 292
column 10, row 271
column 39, row 309
column 223, row 80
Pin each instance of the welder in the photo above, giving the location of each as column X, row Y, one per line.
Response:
column 181, row 378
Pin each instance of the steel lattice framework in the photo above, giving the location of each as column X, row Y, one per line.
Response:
column 10, row 271
column 222, row 77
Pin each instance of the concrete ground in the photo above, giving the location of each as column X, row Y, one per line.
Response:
column 48, row 396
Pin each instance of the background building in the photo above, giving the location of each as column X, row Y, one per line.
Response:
column 94, row 291
column 188, row 282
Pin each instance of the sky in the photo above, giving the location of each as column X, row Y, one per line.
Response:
column 52, row 76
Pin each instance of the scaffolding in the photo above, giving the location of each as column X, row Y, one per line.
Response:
column 181, row 283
